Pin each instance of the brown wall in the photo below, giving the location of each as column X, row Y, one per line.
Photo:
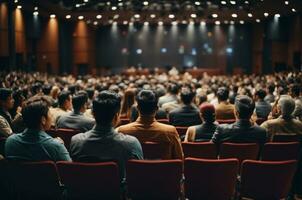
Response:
column 257, row 48
column 3, row 30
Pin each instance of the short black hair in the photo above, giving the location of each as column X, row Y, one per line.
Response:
column 90, row 92
column 147, row 102
column 261, row 93
column 296, row 89
column 173, row 88
column 202, row 98
column 105, row 106
column 271, row 88
column 36, row 88
column 33, row 111
column 5, row 93
column 63, row 96
column 223, row 94
column 79, row 99
column 187, row 95
column 46, row 89
column 245, row 106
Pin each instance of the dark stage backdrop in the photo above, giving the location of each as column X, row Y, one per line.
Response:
column 205, row 46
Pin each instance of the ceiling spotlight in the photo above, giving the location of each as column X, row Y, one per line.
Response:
column 78, row 5
column 146, row 23
column 113, row 8
column 217, row 22
column 174, row 23
column 232, row 22
column 223, row 2
column 116, row 16
column 146, row 3
column 191, row 23
column 250, row 15
column 233, row 2
column 241, row 22
column 95, row 23
column 114, row 23
column 160, row 23
column 277, row 15
column 125, row 22
column 137, row 16
column 197, row 3
column 86, row 1
column 286, row 2
column 36, row 8
column 246, row 2
column 266, row 14
column 184, row 22
column 68, row 16
column 171, row 16
column 193, row 15
column 52, row 16
column 99, row 16
column 214, row 15
column 294, row 10
column 202, row 23
column 16, row 1
column 258, row 20
column 19, row 7
column 152, row 15
column 36, row 13
column 80, row 17
column 234, row 15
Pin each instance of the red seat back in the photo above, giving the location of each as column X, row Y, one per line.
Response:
column 149, row 179
column 164, row 121
column 241, row 151
column 266, row 179
column 123, row 121
column 210, row 179
column 199, row 150
column 64, row 134
column 154, row 150
column 90, row 180
column 286, row 138
column 280, row 151
column 226, row 121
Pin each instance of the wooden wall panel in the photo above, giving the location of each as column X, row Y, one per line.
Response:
column 257, row 48
column 3, row 30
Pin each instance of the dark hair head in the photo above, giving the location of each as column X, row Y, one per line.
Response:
column 147, row 102
column 245, row 106
column 5, row 93
column 187, row 95
column 271, row 88
column 128, row 100
column 207, row 111
column 296, row 90
column 261, row 93
column 222, row 94
column 36, row 88
column 105, row 106
column 33, row 111
column 79, row 100
column 63, row 96
column 46, row 89
column 173, row 88
column 203, row 98
column 90, row 92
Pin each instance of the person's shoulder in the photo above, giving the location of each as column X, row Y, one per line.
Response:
column 165, row 128
column 126, row 126
column 126, row 140
column 80, row 137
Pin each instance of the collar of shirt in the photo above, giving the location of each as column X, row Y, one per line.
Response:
column 243, row 122
column 104, row 130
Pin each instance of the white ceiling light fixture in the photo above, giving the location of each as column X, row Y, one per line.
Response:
column 193, row 15
column 52, row 16
column 217, row 22
column 234, row 15
column 99, row 16
column 80, row 17
column 171, row 16
column 214, row 15
column 233, row 2
column 258, row 20
column 241, row 22
column 250, row 15
column 266, row 14
column 152, row 16
column 223, row 2
column 137, row 16
column 68, row 16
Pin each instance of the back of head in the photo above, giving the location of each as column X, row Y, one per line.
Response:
column 296, row 90
column 203, row 98
column 46, row 89
column 63, row 96
column 187, row 95
column 146, row 102
column 36, row 88
column 244, row 106
column 79, row 100
column 128, row 100
column 287, row 106
column 105, row 106
column 261, row 94
column 34, row 109
column 5, row 93
column 271, row 88
column 207, row 111
column 223, row 94
column 173, row 88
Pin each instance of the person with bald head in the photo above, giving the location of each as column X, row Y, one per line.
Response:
column 285, row 123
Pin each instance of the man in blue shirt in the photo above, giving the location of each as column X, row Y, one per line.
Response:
column 34, row 144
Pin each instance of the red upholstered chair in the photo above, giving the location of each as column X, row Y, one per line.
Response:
column 124, row 121
column 241, row 151
column 181, row 131
column 280, row 151
column 90, row 180
column 266, row 179
column 226, row 121
column 34, row 180
column 149, row 179
column 154, row 150
column 164, row 121
column 64, row 134
column 210, row 179
column 205, row 150
column 286, row 138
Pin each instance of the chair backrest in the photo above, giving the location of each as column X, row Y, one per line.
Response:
column 154, row 150
column 164, row 121
column 210, row 179
column 64, row 134
column 286, row 138
column 124, row 121
column 226, row 121
column 205, row 150
column 181, row 130
column 266, row 179
column 241, row 151
column 34, row 180
column 90, row 180
column 150, row 179
column 2, row 144
column 280, row 151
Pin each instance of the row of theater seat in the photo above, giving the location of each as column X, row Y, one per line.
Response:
column 148, row 179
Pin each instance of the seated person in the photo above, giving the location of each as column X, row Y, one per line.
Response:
column 6, row 103
column 187, row 114
column 263, row 108
column 103, row 142
column 65, row 105
column 76, row 119
column 204, row 131
column 171, row 95
column 224, row 110
column 147, row 129
column 285, row 123
column 34, row 144
column 242, row 131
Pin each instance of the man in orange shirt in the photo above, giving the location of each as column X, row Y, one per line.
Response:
column 147, row 129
